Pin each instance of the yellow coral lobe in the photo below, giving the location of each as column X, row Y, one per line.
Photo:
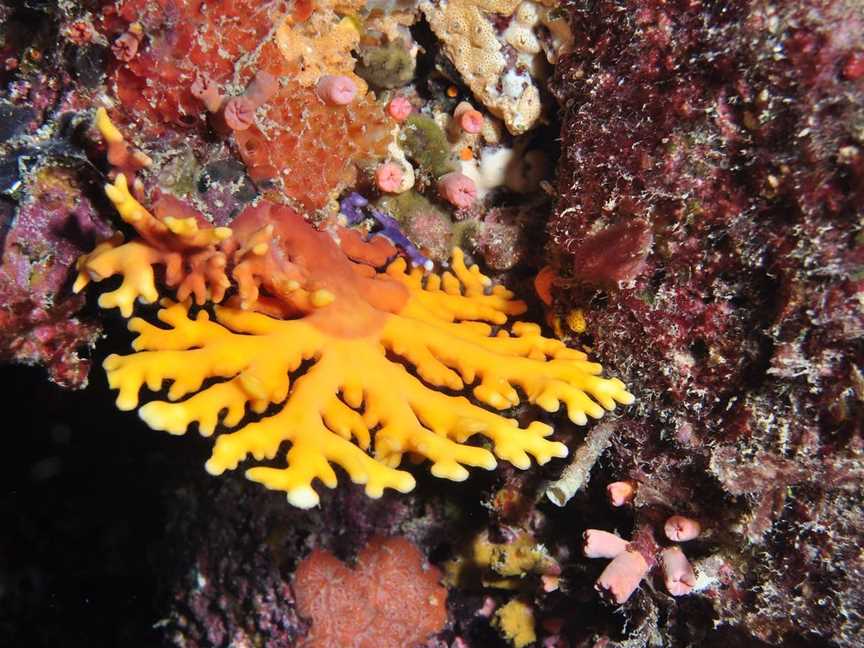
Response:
column 107, row 128
column 134, row 261
column 181, row 225
column 576, row 320
column 322, row 298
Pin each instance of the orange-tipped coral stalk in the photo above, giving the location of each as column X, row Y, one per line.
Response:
column 181, row 240
column 119, row 154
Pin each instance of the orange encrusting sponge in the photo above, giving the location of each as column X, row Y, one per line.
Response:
column 309, row 147
column 389, row 600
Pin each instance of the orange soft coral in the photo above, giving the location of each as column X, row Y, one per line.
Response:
column 174, row 236
column 387, row 350
column 389, row 600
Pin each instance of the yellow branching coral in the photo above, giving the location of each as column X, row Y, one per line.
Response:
column 384, row 350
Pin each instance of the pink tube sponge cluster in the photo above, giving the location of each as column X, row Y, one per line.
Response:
column 622, row 576
column 681, row 529
column 678, row 574
column 632, row 561
column 239, row 112
column 602, row 544
column 621, row 492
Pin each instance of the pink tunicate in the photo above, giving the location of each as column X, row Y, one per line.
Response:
column 207, row 92
column 602, row 544
column 620, row 493
column 399, row 108
column 678, row 574
column 336, row 90
column 681, row 529
column 457, row 189
column 263, row 86
column 388, row 177
column 550, row 583
column 125, row 47
column 239, row 113
column 622, row 576
column 471, row 121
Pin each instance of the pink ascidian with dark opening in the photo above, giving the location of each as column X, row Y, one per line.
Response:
column 399, row 108
column 239, row 113
column 336, row 90
column 388, row 177
column 457, row 189
column 469, row 119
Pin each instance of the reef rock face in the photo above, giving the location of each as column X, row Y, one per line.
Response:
column 45, row 235
column 711, row 181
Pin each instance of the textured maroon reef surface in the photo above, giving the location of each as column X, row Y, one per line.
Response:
column 47, row 219
column 47, row 232
column 709, row 223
